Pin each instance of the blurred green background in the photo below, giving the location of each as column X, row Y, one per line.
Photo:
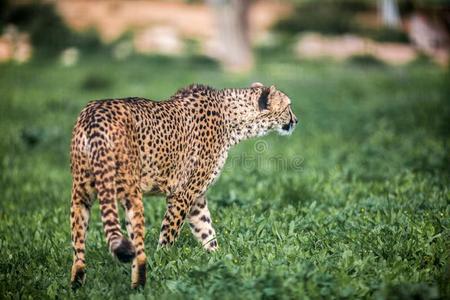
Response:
column 354, row 204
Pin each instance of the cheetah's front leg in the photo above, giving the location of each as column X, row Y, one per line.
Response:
column 201, row 224
column 177, row 208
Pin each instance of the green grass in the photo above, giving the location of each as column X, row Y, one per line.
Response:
column 355, row 204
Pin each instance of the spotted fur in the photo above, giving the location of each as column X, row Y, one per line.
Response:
column 122, row 148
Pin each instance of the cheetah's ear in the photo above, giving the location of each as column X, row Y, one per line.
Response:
column 257, row 85
column 263, row 101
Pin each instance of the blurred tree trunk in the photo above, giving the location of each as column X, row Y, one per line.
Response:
column 388, row 11
column 232, row 21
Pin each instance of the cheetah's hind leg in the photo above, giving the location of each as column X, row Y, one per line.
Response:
column 79, row 219
column 132, row 203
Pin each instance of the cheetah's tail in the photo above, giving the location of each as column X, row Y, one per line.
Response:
column 103, row 164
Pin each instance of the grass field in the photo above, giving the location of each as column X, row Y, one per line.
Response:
column 355, row 204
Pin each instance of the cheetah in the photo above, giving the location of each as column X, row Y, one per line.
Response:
column 123, row 148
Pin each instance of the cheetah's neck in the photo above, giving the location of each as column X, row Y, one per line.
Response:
column 240, row 114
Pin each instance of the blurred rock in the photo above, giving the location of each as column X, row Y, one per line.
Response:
column 23, row 49
column 162, row 39
column 6, row 50
column 313, row 45
column 393, row 53
column 70, row 57
column 123, row 50
column 15, row 45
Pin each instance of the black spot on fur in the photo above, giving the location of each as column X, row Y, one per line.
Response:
column 195, row 212
column 125, row 252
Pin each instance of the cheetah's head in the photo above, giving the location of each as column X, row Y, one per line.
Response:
column 273, row 110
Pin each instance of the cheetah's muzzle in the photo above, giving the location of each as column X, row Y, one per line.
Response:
column 289, row 127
